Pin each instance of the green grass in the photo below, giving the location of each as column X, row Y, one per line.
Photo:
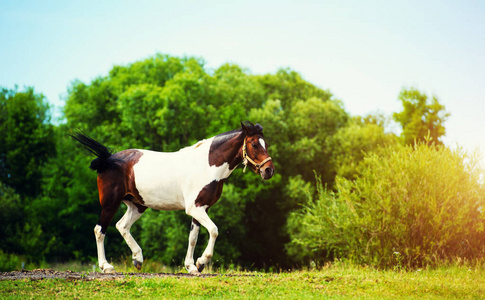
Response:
column 340, row 281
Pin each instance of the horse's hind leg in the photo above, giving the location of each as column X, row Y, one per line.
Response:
column 110, row 199
column 100, row 233
column 132, row 214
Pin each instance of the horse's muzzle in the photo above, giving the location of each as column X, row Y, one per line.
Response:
column 267, row 173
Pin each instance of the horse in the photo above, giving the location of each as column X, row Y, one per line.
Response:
column 190, row 179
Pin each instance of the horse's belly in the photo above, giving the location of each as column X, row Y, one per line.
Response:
column 158, row 187
column 162, row 203
column 161, row 198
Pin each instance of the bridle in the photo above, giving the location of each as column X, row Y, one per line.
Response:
column 247, row 159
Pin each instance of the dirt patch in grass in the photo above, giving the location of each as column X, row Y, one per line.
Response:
column 39, row 274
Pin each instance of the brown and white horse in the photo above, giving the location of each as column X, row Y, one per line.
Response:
column 190, row 179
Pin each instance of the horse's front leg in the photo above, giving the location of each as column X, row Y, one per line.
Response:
column 200, row 214
column 189, row 258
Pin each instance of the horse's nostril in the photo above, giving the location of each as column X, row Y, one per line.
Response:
column 269, row 171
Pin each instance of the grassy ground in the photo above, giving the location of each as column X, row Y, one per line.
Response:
column 339, row 281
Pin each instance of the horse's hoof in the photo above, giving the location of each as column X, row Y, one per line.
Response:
column 137, row 264
column 109, row 270
column 200, row 266
column 194, row 273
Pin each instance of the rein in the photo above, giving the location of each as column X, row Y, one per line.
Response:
column 247, row 159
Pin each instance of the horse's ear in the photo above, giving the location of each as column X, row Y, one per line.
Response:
column 258, row 127
column 244, row 128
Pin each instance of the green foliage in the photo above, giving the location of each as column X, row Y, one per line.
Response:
column 26, row 140
column 9, row 262
column 164, row 236
column 350, row 143
column 20, row 233
column 420, row 118
column 26, row 143
column 302, row 134
column 12, row 216
column 419, row 204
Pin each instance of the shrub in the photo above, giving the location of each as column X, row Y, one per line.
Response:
column 9, row 262
column 411, row 206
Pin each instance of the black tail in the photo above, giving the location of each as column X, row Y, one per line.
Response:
column 102, row 152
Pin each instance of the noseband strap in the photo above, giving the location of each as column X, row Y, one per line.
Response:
column 247, row 159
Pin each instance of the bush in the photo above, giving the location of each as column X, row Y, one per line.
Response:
column 9, row 262
column 409, row 206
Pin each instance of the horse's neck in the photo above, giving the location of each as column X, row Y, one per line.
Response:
column 227, row 148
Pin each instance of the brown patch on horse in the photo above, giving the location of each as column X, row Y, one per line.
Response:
column 210, row 193
column 119, row 181
column 198, row 144
column 132, row 158
column 226, row 148
column 110, row 195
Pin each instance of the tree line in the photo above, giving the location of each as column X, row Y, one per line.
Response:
column 48, row 195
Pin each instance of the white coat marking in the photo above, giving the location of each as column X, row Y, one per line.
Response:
column 261, row 141
column 162, row 181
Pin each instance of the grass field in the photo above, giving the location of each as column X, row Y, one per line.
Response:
column 341, row 281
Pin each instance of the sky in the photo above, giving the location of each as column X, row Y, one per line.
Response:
column 363, row 52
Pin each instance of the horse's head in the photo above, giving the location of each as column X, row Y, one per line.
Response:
column 255, row 151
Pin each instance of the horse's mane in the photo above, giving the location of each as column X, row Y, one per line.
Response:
column 222, row 137
column 252, row 129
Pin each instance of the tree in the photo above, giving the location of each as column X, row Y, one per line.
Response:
column 351, row 143
column 421, row 118
column 11, row 213
column 26, row 141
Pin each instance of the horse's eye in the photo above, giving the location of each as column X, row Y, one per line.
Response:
column 254, row 145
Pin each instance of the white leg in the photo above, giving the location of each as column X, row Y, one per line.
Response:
column 200, row 214
column 124, row 224
column 103, row 263
column 189, row 259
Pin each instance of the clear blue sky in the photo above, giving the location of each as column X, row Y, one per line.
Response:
column 364, row 52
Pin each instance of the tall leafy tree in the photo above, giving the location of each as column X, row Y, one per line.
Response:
column 11, row 213
column 422, row 119
column 351, row 143
column 26, row 141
